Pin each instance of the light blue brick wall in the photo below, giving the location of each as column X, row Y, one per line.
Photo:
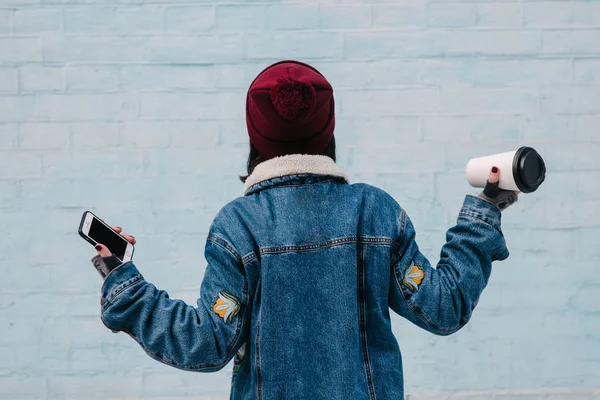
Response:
column 134, row 109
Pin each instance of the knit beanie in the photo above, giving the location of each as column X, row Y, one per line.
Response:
column 290, row 109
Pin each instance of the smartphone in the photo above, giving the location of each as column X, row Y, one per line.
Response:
column 93, row 230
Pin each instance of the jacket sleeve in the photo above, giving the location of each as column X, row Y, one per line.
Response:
column 441, row 300
column 202, row 338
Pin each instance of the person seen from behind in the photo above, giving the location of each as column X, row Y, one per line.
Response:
column 303, row 268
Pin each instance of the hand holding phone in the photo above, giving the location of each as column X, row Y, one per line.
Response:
column 95, row 231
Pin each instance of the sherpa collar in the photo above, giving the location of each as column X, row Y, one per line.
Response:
column 294, row 164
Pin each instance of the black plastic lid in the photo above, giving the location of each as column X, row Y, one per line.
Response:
column 529, row 169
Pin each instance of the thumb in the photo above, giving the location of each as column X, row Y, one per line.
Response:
column 103, row 250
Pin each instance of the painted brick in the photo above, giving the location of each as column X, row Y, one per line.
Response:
column 24, row 386
column 189, row 19
column 74, row 386
column 501, row 14
column 73, row 107
column 548, row 128
column 6, row 18
column 547, row 14
column 180, row 162
column 392, row 102
column 20, row 49
column 334, row 16
column 16, row 108
column 587, row 70
column 37, row 20
column 474, row 100
column 39, row 78
column 71, row 164
column 199, row 134
column 407, row 14
column 242, row 17
column 144, row 134
column 586, row 13
column 376, row 45
column 520, row 72
column 586, row 128
column 570, row 99
column 138, row 20
column 398, row 129
column 389, row 161
column 20, row 165
column 9, row 195
column 585, row 184
column 190, row 49
column 237, row 76
column 505, row 43
column 94, row 135
column 446, row 129
column 101, row 49
column 450, row 15
column 191, row 105
column 44, row 136
column 88, row 77
column 310, row 45
column 85, row 20
column 9, row 137
column 574, row 42
column 292, row 17
column 9, row 80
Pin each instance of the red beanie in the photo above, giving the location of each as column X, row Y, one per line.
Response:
column 290, row 109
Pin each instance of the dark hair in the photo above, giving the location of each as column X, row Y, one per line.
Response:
column 255, row 158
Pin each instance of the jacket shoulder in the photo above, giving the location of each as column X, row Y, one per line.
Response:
column 378, row 195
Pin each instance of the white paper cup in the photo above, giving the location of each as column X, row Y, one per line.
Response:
column 522, row 170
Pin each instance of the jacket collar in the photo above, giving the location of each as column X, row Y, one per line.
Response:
column 291, row 164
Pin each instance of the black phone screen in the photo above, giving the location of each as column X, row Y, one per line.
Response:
column 102, row 234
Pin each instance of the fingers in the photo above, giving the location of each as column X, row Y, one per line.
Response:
column 494, row 175
column 129, row 238
column 102, row 250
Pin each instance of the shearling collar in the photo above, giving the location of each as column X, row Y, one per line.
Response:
column 290, row 164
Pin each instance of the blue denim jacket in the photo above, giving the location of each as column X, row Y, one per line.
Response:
column 302, row 272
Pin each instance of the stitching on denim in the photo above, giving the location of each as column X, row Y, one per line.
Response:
column 479, row 217
column 363, row 321
column 271, row 185
column 120, row 289
column 257, row 358
column 399, row 243
column 328, row 243
column 216, row 239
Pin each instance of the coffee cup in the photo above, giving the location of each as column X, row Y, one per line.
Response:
column 523, row 170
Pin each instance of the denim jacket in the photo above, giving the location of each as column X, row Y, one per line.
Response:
column 302, row 271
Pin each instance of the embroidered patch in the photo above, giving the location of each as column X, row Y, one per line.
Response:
column 227, row 306
column 413, row 276
column 239, row 358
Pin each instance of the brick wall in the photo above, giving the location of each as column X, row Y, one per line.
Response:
column 134, row 109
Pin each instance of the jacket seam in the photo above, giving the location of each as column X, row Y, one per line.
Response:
column 257, row 358
column 218, row 240
column 375, row 240
column 271, row 185
column 363, row 323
